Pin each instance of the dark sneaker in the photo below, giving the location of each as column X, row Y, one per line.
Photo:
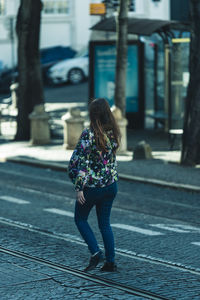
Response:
column 94, row 261
column 109, row 267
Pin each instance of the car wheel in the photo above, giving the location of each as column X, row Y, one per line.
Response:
column 75, row 76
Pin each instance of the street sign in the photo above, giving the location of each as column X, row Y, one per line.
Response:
column 180, row 40
column 97, row 9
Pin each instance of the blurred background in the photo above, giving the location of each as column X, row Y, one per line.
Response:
column 69, row 56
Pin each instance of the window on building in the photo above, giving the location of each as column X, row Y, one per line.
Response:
column 178, row 14
column 2, row 7
column 115, row 4
column 56, row 6
column 132, row 5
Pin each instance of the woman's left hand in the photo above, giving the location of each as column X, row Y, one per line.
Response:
column 80, row 197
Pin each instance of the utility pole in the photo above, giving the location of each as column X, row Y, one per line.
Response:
column 121, row 59
column 119, row 111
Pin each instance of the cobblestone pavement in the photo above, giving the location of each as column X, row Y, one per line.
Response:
column 157, row 245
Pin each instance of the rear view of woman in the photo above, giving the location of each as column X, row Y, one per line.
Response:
column 92, row 169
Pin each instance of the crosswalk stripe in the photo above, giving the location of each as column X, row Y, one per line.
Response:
column 196, row 243
column 187, row 227
column 59, row 212
column 137, row 229
column 170, row 228
column 14, row 200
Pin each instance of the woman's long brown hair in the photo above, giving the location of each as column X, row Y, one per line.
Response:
column 102, row 121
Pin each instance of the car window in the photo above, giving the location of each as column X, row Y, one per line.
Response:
column 82, row 53
column 56, row 53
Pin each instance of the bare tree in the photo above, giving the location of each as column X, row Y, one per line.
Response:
column 30, row 91
column 121, row 60
column 191, row 136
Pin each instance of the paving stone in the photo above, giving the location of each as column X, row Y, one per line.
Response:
column 137, row 273
column 12, row 274
column 175, row 248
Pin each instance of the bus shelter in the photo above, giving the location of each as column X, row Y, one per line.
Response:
column 168, row 110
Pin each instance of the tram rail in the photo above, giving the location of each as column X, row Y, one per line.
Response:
column 83, row 275
column 130, row 254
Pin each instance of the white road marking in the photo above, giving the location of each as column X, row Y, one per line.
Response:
column 187, row 227
column 46, row 194
column 122, row 252
column 169, row 227
column 121, row 226
column 14, row 200
column 196, row 243
column 137, row 229
column 59, row 212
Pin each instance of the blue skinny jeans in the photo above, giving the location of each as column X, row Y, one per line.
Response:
column 102, row 199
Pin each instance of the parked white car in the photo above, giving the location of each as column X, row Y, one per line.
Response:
column 74, row 70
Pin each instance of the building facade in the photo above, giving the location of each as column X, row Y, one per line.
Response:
column 66, row 22
column 63, row 22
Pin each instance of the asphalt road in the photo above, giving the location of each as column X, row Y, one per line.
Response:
column 157, row 246
column 67, row 93
column 62, row 93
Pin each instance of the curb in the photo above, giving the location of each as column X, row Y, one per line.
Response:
column 37, row 163
column 167, row 184
column 63, row 168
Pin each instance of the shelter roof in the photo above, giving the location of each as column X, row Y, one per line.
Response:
column 141, row 26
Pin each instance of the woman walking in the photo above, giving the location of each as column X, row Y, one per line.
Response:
column 92, row 169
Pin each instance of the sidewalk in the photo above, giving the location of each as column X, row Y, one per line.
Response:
column 164, row 169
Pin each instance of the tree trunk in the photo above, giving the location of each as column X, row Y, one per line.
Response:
column 30, row 91
column 191, row 137
column 121, row 60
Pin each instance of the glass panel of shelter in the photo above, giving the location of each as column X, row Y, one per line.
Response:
column 168, row 66
column 179, row 80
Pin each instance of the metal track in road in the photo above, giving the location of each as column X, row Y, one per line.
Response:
column 126, row 253
column 96, row 279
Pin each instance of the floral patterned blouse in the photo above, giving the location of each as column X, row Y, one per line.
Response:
column 89, row 167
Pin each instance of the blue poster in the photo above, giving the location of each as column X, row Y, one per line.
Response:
column 104, row 75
